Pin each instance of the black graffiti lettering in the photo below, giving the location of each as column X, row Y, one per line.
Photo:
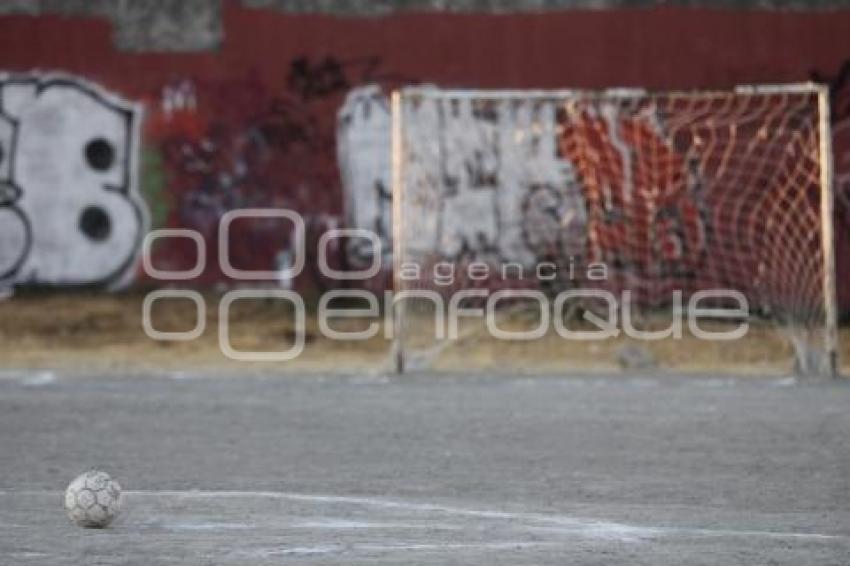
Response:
column 315, row 80
column 839, row 90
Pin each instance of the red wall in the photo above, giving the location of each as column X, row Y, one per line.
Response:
column 655, row 48
column 255, row 83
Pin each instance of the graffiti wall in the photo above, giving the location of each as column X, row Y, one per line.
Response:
column 485, row 181
column 290, row 110
column 316, row 143
column 70, row 206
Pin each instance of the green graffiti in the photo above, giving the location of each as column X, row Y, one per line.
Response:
column 154, row 186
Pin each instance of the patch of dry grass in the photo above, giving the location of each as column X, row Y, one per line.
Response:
column 104, row 332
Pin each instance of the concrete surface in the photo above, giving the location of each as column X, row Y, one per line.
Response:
column 429, row 470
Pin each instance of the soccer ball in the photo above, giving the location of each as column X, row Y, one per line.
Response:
column 93, row 499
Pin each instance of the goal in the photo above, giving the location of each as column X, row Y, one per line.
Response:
column 546, row 230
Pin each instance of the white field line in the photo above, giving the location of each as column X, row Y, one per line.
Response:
column 567, row 524
column 362, row 547
column 561, row 524
column 587, row 527
column 348, row 525
column 30, row 378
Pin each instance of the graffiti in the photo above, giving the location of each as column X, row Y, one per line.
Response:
column 484, row 179
column 513, row 181
column 329, row 75
column 839, row 90
column 70, row 213
column 641, row 221
column 224, row 146
column 315, row 80
column 554, row 221
column 470, row 173
column 252, row 143
column 363, row 142
column 179, row 97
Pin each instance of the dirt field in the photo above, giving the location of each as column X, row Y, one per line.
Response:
column 105, row 332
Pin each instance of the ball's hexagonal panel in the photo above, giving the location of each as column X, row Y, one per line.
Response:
column 97, row 513
column 104, row 497
column 85, row 498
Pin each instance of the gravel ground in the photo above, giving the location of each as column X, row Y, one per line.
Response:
column 229, row 469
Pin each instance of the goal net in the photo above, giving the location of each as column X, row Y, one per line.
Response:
column 549, row 230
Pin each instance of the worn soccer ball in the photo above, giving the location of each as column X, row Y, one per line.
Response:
column 93, row 499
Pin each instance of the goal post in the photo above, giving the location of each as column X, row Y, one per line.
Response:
column 827, row 217
column 397, row 161
column 530, row 223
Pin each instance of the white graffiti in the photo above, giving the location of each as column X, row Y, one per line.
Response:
column 483, row 179
column 363, row 152
column 179, row 97
column 70, row 212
